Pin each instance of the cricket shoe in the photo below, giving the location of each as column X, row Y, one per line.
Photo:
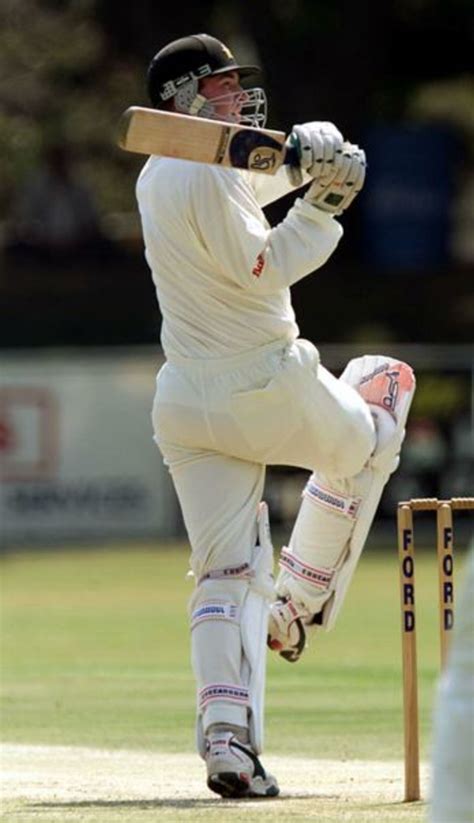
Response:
column 288, row 628
column 234, row 770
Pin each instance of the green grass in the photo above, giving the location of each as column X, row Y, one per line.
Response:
column 96, row 645
column 95, row 649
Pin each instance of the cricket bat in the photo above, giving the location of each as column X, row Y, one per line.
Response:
column 149, row 131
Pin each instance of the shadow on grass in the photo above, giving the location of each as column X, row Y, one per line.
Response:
column 401, row 804
column 177, row 803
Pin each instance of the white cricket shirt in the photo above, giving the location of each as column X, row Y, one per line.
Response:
column 222, row 275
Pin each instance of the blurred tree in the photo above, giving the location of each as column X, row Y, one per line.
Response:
column 140, row 29
column 57, row 81
column 341, row 61
column 70, row 66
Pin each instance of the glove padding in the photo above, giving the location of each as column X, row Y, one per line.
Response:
column 337, row 195
column 319, row 146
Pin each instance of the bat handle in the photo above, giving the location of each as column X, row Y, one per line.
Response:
column 292, row 156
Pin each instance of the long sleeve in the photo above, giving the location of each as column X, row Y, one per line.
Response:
column 270, row 187
column 241, row 244
column 222, row 275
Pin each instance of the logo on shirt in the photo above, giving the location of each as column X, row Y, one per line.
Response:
column 258, row 268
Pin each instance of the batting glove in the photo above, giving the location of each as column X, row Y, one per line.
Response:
column 337, row 195
column 319, row 148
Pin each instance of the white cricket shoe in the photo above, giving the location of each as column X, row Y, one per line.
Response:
column 234, row 770
column 288, row 628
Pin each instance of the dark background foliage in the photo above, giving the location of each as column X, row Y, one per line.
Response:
column 69, row 67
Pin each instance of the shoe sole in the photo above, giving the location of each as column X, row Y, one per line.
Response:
column 230, row 785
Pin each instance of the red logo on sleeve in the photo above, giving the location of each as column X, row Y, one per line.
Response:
column 258, row 268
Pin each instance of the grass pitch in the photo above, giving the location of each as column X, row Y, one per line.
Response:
column 96, row 655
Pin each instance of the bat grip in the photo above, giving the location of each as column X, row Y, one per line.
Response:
column 292, row 156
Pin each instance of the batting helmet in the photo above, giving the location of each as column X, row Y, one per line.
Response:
column 189, row 58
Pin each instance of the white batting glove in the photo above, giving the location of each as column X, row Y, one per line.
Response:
column 319, row 148
column 337, row 195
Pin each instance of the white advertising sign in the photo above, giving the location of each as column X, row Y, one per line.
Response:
column 77, row 458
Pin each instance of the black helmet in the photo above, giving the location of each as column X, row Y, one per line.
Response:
column 188, row 58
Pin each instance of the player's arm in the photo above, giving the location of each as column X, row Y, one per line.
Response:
column 268, row 188
column 240, row 244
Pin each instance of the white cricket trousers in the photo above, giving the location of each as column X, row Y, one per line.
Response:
column 218, row 423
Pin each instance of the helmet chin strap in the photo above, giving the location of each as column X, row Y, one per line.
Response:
column 198, row 106
column 253, row 107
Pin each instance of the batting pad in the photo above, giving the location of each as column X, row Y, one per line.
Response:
column 336, row 513
column 254, row 628
column 229, row 621
column 388, row 387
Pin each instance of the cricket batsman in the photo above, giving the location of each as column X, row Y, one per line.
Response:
column 240, row 391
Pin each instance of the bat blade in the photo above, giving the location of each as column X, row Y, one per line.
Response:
column 149, row 131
